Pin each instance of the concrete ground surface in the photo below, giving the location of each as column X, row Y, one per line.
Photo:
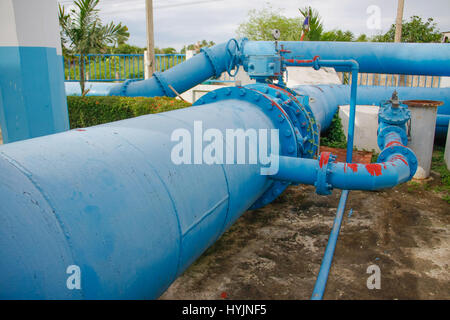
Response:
column 275, row 252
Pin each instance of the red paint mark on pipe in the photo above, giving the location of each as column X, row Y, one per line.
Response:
column 390, row 134
column 394, row 143
column 353, row 166
column 302, row 61
column 324, row 158
column 374, row 169
column 399, row 157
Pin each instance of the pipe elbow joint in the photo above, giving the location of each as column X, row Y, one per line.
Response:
column 403, row 153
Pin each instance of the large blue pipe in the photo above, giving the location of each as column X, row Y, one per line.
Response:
column 372, row 57
column 110, row 200
column 211, row 62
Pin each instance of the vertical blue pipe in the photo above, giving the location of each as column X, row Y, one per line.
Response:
column 69, row 70
column 321, row 282
column 79, row 67
column 351, row 122
column 354, row 68
column 104, row 67
column 120, row 70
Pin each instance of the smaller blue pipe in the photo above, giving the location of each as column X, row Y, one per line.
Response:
column 354, row 67
column 351, row 65
column 321, row 282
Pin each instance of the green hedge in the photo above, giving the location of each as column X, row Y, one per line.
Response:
column 334, row 137
column 91, row 111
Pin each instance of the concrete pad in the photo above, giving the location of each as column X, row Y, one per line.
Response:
column 366, row 126
column 197, row 92
column 303, row 75
column 445, row 82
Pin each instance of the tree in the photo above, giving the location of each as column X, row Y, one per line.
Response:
column 315, row 23
column 125, row 48
column 337, row 35
column 362, row 38
column 169, row 50
column 260, row 24
column 83, row 32
column 197, row 46
column 415, row 30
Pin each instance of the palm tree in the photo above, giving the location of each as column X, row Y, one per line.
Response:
column 83, row 32
column 315, row 23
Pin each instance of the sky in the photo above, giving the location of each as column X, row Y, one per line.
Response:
column 181, row 22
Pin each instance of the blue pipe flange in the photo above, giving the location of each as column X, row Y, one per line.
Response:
column 160, row 78
column 323, row 171
column 386, row 130
column 125, row 84
column 300, row 114
column 281, row 120
column 313, row 131
column 403, row 151
column 396, row 116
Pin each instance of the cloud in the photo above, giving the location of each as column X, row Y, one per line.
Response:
column 181, row 22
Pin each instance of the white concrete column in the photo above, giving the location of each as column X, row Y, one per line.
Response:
column 190, row 54
column 366, row 126
column 423, row 126
column 146, row 75
column 32, row 95
column 447, row 149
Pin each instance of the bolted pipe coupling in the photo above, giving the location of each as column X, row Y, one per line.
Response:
column 323, row 187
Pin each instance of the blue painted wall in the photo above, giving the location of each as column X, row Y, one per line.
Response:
column 32, row 95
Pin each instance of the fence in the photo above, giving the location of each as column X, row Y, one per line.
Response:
column 119, row 67
column 392, row 80
column 115, row 67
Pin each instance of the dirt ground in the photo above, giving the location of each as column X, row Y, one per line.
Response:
column 275, row 252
